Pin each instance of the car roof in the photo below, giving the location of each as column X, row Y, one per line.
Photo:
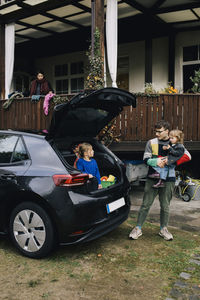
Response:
column 24, row 133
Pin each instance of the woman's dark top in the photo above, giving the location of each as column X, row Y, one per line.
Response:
column 40, row 87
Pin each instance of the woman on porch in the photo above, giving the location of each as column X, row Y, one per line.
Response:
column 40, row 86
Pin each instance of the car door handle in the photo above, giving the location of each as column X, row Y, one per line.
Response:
column 7, row 177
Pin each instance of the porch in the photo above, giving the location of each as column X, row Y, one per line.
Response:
column 134, row 126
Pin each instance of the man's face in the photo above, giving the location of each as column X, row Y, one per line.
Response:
column 162, row 133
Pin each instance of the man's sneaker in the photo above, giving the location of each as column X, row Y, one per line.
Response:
column 166, row 234
column 135, row 233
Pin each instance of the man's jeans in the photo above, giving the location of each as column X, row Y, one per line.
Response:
column 165, row 196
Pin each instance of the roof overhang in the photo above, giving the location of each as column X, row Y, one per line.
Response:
column 43, row 18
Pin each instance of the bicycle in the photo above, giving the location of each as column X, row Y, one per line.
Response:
column 181, row 186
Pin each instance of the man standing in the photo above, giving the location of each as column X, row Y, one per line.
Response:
column 153, row 156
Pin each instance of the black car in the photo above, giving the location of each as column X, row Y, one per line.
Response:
column 45, row 200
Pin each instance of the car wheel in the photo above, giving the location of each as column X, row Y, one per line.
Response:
column 186, row 197
column 31, row 230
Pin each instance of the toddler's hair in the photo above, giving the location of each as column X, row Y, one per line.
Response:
column 178, row 134
column 83, row 148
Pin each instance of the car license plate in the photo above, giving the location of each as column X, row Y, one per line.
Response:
column 115, row 205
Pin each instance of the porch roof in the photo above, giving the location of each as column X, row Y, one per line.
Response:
column 42, row 18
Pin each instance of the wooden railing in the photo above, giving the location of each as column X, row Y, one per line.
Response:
column 133, row 124
column 180, row 110
column 24, row 114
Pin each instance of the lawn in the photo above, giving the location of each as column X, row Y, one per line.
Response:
column 110, row 268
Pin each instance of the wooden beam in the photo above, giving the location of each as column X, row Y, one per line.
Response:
column 42, row 7
column 2, row 61
column 99, row 22
column 171, row 60
column 148, row 60
column 178, row 7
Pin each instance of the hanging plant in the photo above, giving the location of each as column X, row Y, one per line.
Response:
column 95, row 78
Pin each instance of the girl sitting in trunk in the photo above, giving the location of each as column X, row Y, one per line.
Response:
column 87, row 164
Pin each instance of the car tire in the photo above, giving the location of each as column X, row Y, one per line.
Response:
column 186, row 197
column 31, row 230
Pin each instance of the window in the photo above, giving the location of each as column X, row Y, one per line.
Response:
column 77, row 68
column 7, row 145
column 77, row 84
column 123, row 73
column 61, row 70
column 191, row 63
column 21, row 81
column 12, row 149
column 19, row 153
column 62, row 86
column 190, row 53
column 69, row 78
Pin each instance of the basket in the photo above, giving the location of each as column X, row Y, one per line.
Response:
column 106, row 184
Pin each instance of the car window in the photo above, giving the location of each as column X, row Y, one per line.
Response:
column 7, row 145
column 19, row 153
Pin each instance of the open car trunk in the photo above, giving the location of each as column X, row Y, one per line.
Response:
column 80, row 120
column 107, row 162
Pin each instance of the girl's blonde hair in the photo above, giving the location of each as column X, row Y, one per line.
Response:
column 178, row 134
column 84, row 147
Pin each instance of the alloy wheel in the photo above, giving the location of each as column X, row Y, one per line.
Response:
column 29, row 230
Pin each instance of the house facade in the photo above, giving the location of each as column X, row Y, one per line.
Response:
column 158, row 41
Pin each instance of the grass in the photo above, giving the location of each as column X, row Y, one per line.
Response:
column 112, row 267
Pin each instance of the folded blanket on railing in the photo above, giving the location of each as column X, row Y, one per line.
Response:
column 46, row 103
column 35, row 97
column 14, row 96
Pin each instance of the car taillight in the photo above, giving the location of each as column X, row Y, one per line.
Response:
column 69, row 180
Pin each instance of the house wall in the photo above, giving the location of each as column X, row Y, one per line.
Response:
column 136, row 53
column 183, row 39
column 137, row 66
column 160, row 63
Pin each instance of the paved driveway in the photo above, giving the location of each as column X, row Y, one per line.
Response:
column 183, row 215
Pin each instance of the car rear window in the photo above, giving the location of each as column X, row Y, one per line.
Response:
column 12, row 149
column 19, row 153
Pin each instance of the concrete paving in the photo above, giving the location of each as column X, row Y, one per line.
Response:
column 183, row 215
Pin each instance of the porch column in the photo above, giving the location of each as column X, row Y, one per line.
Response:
column 112, row 38
column 148, row 60
column 9, row 57
column 2, row 61
column 171, row 62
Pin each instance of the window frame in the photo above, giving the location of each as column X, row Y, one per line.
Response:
column 189, row 63
column 70, row 76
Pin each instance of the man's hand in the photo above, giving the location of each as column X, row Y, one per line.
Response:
column 161, row 162
column 166, row 147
